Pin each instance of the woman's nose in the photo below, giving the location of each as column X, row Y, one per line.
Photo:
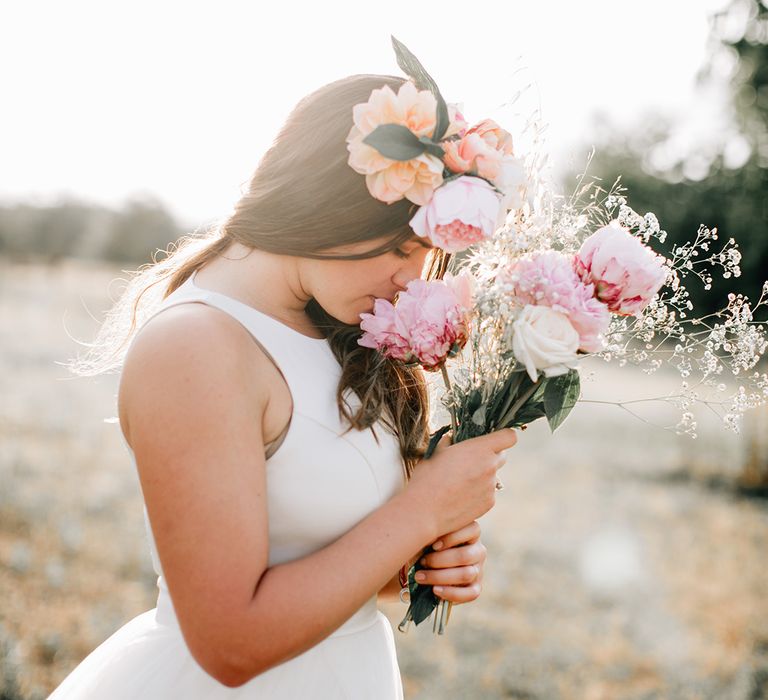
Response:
column 408, row 273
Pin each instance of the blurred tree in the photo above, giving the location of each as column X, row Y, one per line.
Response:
column 137, row 231
column 75, row 229
column 722, row 183
column 45, row 234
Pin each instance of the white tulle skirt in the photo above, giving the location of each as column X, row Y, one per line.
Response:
column 147, row 658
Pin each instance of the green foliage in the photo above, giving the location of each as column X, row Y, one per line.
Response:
column 423, row 600
column 400, row 143
column 412, row 67
column 560, row 395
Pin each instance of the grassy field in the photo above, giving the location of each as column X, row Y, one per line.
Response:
column 623, row 564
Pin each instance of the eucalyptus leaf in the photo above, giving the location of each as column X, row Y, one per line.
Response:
column 432, row 148
column 412, row 67
column 395, row 141
column 560, row 396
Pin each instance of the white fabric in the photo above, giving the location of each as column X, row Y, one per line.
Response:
column 320, row 483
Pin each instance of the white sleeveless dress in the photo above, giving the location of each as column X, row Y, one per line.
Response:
column 321, row 481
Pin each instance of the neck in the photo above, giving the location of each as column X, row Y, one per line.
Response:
column 266, row 281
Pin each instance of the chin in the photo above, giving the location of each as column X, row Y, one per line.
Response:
column 351, row 318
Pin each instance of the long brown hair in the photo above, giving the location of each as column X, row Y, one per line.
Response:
column 303, row 199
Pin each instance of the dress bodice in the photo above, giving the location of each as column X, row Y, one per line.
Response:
column 323, row 478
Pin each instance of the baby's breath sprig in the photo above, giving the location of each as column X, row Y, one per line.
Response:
column 705, row 350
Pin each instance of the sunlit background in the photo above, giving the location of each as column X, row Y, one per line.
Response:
column 625, row 562
column 179, row 100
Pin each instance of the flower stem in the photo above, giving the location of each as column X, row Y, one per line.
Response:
column 451, row 407
column 444, row 607
column 509, row 416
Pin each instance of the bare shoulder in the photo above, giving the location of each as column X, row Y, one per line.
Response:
column 186, row 334
column 191, row 351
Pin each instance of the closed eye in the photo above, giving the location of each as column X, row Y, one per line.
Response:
column 401, row 253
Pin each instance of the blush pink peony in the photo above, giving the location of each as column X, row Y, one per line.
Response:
column 391, row 180
column 549, row 279
column 428, row 324
column 472, row 154
column 457, row 125
column 461, row 212
column 481, row 150
column 626, row 273
column 486, row 150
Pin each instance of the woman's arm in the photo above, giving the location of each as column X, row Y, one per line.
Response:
column 194, row 399
column 391, row 590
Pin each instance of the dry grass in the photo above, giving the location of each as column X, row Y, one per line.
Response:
column 616, row 570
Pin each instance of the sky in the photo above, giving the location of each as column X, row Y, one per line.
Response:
column 178, row 100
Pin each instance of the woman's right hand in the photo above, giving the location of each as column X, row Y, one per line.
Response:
column 457, row 484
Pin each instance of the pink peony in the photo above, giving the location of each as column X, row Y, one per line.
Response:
column 510, row 181
column 549, row 279
column 428, row 324
column 486, row 150
column 463, row 287
column 457, row 125
column 461, row 212
column 496, row 137
column 472, row 154
column 626, row 274
column 391, row 180
column 480, row 151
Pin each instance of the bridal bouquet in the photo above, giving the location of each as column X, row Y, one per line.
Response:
column 541, row 282
column 516, row 324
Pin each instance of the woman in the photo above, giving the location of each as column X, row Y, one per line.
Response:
column 279, row 461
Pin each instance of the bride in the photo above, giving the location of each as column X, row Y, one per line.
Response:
column 280, row 462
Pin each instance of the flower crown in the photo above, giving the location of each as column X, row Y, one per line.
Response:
column 414, row 145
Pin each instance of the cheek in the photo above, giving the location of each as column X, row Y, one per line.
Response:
column 367, row 276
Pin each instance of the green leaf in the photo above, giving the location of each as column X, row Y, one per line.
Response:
column 478, row 417
column 423, row 600
column 523, row 386
column 432, row 148
column 504, row 398
column 434, row 439
column 395, row 141
column 560, row 396
column 471, row 403
column 531, row 411
column 412, row 67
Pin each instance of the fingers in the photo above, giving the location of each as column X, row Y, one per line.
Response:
column 503, row 439
column 465, row 555
column 459, row 594
column 459, row 576
column 466, row 535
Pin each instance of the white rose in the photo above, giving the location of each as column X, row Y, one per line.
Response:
column 544, row 339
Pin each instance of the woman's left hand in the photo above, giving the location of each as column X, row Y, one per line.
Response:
column 455, row 569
